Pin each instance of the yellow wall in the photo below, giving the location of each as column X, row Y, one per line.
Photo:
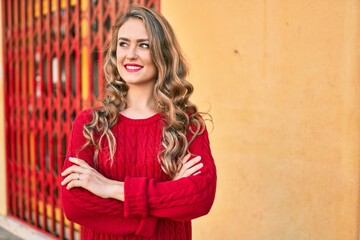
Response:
column 282, row 79
column 2, row 126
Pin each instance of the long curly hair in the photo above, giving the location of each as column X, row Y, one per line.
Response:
column 171, row 93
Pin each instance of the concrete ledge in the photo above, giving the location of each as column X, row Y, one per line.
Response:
column 21, row 230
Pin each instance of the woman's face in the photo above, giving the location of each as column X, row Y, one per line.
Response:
column 133, row 58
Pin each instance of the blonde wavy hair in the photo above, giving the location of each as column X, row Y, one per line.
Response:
column 171, row 93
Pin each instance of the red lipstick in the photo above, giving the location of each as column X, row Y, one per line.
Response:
column 133, row 67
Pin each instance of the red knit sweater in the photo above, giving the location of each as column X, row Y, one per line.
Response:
column 155, row 207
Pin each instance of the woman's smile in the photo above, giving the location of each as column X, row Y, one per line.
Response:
column 130, row 67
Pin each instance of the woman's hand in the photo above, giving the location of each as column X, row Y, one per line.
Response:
column 189, row 167
column 82, row 175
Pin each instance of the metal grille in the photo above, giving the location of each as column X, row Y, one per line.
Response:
column 53, row 69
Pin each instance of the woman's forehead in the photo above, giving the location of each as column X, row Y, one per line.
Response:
column 133, row 29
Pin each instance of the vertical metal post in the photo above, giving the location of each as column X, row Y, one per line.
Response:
column 53, row 68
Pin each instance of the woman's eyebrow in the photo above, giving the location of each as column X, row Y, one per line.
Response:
column 138, row 40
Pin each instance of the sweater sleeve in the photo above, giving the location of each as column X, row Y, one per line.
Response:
column 85, row 208
column 183, row 199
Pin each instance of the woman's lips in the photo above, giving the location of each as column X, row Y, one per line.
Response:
column 133, row 67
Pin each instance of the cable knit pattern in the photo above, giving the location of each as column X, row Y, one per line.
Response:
column 155, row 207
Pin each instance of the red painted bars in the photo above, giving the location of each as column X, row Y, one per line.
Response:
column 53, row 69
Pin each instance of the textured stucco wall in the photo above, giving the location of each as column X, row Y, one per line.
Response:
column 282, row 79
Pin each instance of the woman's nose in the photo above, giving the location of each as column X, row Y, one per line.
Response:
column 131, row 53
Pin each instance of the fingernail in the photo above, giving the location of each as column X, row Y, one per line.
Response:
column 201, row 164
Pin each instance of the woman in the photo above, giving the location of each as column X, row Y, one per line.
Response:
column 140, row 166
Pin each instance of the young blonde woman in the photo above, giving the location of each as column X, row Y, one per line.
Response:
column 140, row 165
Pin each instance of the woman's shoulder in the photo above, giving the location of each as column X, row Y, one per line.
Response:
column 197, row 124
column 199, row 118
column 84, row 116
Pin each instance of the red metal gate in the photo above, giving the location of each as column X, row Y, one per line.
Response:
column 53, row 68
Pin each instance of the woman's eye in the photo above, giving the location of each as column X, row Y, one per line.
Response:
column 144, row 45
column 122, row 44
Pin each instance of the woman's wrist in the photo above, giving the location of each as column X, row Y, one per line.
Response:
column 116, row 190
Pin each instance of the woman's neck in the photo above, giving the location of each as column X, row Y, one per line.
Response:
column 140, row 103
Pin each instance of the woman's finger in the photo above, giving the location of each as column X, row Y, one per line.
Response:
column 186, row 158
column 189, row 167
column 74, row 169
column 74, row 183
column 193, row 169
column 192, row 162
column 79, row 162
column 71, row 177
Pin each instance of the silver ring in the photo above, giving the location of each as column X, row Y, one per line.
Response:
column 78, row 176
